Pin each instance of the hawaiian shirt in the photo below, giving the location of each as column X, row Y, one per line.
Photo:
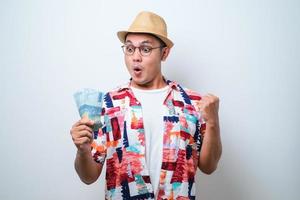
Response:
column 121, row 141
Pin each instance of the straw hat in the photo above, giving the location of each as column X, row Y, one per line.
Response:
column 148, row 22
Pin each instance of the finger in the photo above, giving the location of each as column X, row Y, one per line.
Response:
column 76, row 124
column 212, row 96
column 75, row 131
column 84, row 133
column 201, row 108
column 204, row 101
column 205, row 98
column 84, row 121
column 84, row 127
column 200, row 104
column 78, row 131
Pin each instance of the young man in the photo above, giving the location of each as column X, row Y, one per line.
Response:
column 153, row 129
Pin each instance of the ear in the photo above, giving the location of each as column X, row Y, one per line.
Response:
column 165, row 53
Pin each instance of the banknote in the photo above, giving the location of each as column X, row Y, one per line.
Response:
column 89, row 103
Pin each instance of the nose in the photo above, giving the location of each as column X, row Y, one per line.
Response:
column 137, row 55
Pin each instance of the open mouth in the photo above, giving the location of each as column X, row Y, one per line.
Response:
column 137, row 69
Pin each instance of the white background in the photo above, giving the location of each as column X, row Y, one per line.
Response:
column 246, row 52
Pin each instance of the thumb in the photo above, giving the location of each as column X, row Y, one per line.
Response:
column 88, row 121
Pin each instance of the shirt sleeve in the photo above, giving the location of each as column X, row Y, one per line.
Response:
column 201, row 127
column 199, row 135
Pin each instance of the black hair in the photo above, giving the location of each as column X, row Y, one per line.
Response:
column 162, row 43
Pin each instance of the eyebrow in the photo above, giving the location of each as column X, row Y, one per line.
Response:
column 144, row 42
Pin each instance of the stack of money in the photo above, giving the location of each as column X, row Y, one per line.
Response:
column 89, row 103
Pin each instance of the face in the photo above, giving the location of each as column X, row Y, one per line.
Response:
column 145, row 71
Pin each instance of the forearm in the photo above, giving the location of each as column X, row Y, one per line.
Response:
column 87, row 169
column 211, row 149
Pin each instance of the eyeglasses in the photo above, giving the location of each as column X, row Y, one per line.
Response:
column 144, row 50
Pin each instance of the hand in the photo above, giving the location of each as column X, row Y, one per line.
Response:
column 82, row 134
column 209, row 108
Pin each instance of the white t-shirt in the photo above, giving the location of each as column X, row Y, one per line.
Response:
column 153, row 111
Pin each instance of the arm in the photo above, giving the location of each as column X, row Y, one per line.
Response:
column 87, row 169
column 211, row 149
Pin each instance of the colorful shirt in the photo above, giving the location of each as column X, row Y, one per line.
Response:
column 121, row 141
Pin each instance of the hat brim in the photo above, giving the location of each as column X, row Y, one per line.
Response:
column 122, row 35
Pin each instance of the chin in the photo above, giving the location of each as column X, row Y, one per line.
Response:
column 139, row 82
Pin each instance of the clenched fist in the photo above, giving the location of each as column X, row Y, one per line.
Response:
column 82, row 134
column 209, row 107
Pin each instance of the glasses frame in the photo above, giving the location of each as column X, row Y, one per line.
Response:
column 134, row 48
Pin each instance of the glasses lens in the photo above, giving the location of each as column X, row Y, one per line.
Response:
column 129, row 49
column 145, row 50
